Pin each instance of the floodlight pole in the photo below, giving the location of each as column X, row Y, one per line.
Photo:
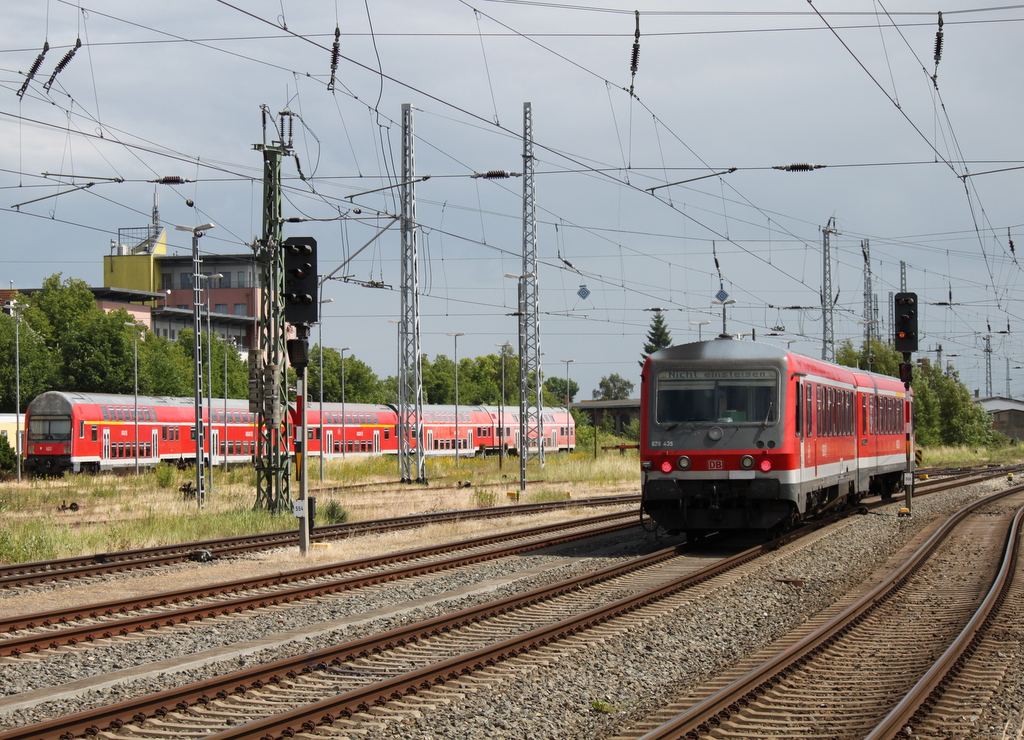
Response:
column 15, row 310
column 135, row 342
column 458, row 440
column 197, row 351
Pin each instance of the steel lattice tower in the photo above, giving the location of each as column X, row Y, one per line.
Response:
column 271, row 459
column 828, row 339
column 410, row 379
column 530, row 376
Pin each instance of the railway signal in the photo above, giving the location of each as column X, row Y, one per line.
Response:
column 905, row 333
column 300, row 280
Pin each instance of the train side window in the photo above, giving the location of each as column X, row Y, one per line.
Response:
column 81, row 429
column 95, row 432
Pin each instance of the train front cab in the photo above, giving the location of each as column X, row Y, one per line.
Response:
column 715, row 454
column 48, row 442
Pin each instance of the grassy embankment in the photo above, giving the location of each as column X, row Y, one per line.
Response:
column 121, row 512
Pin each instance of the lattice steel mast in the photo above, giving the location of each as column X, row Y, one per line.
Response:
column 828, row 339
column 410, row 379
column 271, row 459
column 530, row 375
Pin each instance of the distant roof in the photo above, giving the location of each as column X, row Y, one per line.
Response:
column 997, row 403
column 624, row 403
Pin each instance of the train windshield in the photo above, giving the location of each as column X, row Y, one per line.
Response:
column 40, row 430
column 717, row 396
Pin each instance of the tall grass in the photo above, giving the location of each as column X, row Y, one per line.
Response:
column 44, row 519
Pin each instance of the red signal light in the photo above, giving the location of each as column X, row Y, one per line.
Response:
column 765, row 465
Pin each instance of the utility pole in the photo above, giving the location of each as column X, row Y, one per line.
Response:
column 869, row 302
column 529, row 304
column 410, row 378
column 828, row 340
column 271, row 459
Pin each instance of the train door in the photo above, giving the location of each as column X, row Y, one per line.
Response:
column 214, row 445
column 809, row 453
column 329, row 448
column 154, row 450
column 430, row 441
column 469, row 440
column 554, row 440
column 376, row 440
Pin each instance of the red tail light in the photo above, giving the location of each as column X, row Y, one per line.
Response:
column 765, row 465
column 666, row 467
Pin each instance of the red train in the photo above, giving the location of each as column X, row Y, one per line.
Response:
column 94, row 432
column 739, row 435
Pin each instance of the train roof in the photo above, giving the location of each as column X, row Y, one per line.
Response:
column 728, row 348
column 721, row 348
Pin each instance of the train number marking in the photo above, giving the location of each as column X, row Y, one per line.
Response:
column 716, row 465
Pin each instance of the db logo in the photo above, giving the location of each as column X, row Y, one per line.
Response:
column 715, row 465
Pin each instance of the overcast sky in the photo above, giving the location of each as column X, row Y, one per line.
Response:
column 922, row 161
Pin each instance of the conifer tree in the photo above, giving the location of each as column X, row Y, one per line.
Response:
column 658, row 337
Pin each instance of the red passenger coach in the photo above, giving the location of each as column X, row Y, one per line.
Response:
column 741, row 435
column 94, row 432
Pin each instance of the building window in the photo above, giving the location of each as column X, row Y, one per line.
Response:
column 166, row 281
column 220, row 308
column 225, row 282
column 240, row 309
column 186, row 280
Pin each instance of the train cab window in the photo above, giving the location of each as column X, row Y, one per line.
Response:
column 43, row 429
column 719, row 397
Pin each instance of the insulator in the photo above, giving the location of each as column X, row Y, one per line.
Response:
column 636, row 58
column 938, row 46
column 65, row 61
column 34, row 68
column 798, row 167
column 171, row 180
column 336, row 49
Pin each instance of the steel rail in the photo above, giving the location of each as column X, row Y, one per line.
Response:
column 186, row 613
column 179, row 699
column 712, row 710
column 923, row 695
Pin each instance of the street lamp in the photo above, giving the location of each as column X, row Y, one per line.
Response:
column 234, row 348
column 524, row 442
column 344, row 426
column 209, row 376
column 197, row 232
column 458, row 440
column 135, row 341
column 15, row 310
column 699, row 325
column 501, row 406
column 320, row 342
column 568, row 394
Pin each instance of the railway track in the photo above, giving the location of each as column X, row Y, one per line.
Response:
column 843, row 675
column 87, row 566
column 413, row 666
column 34, row 633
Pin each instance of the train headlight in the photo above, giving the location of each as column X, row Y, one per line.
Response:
column 765, row 465
column 683, row 463
column 666, row 467
column 746, row 462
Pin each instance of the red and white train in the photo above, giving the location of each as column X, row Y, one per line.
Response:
column 738, row 435
column 93, row 432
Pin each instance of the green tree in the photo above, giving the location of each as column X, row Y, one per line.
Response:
column 658, row 337
column 97, row 353
column 35, row 366
column 554, row 386
column 613, row 388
